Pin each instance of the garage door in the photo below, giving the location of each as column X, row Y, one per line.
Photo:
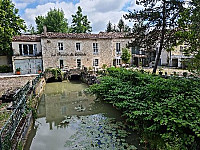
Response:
column 28, row 66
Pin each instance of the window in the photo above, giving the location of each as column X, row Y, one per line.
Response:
column 118, row 62
column 96, row 62
column 30, row 49
column 20, row 49
column 181, row 48
column 60, row 46
column 78, row 46
column 118, row 48
column 27, row 49
column 78, row 63
column 95, row 49
column 135, row 50
column 35, row 48
column 61, row 64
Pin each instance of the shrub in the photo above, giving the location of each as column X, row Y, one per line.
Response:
column 165, row 111
column 5, row 69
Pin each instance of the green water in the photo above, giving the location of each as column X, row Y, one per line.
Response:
column 71, row 119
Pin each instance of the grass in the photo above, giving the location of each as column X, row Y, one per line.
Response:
column 3, row 118
column 4, row 115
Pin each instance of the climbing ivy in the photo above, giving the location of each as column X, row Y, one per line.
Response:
column 165, row 111
column 56, row 72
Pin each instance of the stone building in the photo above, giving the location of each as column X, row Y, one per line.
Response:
column 69, row 50
column 27, row 53
column 177, row 58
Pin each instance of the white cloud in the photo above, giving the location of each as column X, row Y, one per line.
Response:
column 102, row 5
column 99, row 12
column 21, row 5
column 31, row 13
column 133, row 6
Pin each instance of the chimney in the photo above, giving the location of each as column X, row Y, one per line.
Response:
column 45, row 30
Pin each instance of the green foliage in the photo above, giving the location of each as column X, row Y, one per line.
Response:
column 80, row 23
column 18, row 69
column 189, row 32
column 5, row 69
column 156, row 23
column 31, row 29
column 104, row 66
column 109, row 27
column 56, row 72
column 55, row 21
column 165, row 111
column 10, row 24
column 125, row 55
column 120, row 27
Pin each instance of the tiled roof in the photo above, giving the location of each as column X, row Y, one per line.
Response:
column 27, row 38
column 100, row 35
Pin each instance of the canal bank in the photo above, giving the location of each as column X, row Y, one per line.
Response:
column 22, row 104
column 69, row 118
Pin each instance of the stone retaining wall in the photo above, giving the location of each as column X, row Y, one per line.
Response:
column 11, row 83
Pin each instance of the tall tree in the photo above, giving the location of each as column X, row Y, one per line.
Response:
column 109, row 27
column 55, row 21
column 121, row 25
column 156, row 24
column 190, row 33
column 10, row 24
column 80, row 23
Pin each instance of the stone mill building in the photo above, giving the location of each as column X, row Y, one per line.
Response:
column 67, row 50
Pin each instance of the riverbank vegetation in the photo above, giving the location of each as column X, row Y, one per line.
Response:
column 166, row 112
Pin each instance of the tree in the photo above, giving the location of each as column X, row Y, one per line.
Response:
column 125, row 55
column 10, row 25
column 55, row 21
column 109, row 27
column 80, row 23
column 121, row 25
column 31, row 29
column 155, row 25
column 189, row 33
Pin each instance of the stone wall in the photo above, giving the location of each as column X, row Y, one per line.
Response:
column 106, row 52
column 11, row 83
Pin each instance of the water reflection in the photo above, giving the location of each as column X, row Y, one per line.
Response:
column 66, row 109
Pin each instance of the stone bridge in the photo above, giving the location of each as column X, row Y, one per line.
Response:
column 74, row 73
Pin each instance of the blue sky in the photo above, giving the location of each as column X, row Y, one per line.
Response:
column 99, row 12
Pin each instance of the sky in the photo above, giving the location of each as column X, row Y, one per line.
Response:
column 99, row 12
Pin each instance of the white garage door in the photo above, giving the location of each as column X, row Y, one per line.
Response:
column 28, row 66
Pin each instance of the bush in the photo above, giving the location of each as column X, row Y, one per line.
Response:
column 165, row 111
column 5, row 69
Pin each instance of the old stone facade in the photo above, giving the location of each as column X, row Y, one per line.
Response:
column 67, row 50
column 70, row 50
column 76, row 51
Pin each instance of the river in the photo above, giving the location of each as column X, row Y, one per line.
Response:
column 70, row 119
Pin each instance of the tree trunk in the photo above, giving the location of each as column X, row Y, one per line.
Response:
column 162, row 38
